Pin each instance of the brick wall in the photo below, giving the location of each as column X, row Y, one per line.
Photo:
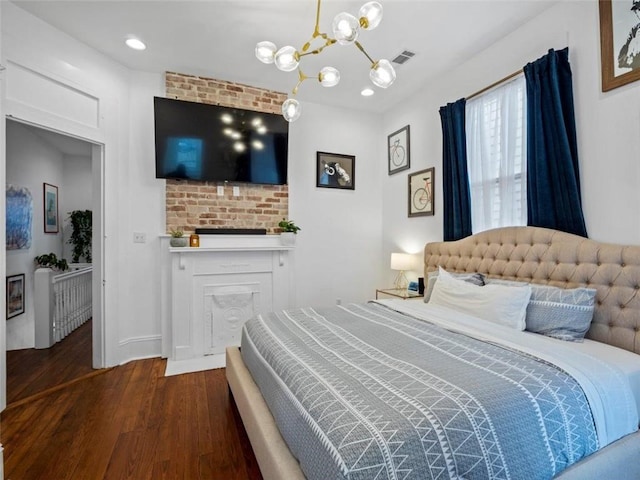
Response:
column 191, row 204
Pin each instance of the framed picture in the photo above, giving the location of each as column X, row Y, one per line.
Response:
column 50, row 196
column 335, row 171
column 421, row 192
column 15, row 295
column 619, row 39
column 398, row 149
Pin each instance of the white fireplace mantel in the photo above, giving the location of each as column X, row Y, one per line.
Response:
column 213, row 289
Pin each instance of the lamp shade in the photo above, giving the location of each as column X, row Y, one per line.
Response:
column 345, row 28
column 291, row 110
column 370, row 15
column 382, row 74
column 265, row 52
column 286, row 59
column 329, row 77
column 401, row 261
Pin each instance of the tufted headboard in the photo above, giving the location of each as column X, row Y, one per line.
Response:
column 540, row 255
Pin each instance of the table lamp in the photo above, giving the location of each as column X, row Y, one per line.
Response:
column 401, row 262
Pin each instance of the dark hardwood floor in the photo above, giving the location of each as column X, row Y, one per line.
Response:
column 128, row 422
column 32, row 371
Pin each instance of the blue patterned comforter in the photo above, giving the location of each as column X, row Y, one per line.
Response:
column 366, row 392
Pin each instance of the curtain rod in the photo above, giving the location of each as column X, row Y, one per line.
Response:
column 508, row 77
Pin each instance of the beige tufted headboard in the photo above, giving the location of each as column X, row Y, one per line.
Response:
column 540, row 255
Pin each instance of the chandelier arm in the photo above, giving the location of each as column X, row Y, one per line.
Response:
column 316, row 30
column 361, row 48
column 330, row 41
column 301, row 78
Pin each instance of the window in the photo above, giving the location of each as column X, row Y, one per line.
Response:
column 497, row 157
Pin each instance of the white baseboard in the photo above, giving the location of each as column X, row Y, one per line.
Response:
column 208, row 362
column 138, row 348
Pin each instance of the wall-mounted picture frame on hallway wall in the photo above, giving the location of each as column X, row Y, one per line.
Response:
column 398, row 150
column 50, row 200
column 619, row 40
column 15, row 295
column 421, row 192
column 334, row 170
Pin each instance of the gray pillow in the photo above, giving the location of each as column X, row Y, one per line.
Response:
column 474, row 278
column 563, row 313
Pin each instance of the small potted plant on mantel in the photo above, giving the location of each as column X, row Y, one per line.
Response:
column 289, row 230
column 177, row 238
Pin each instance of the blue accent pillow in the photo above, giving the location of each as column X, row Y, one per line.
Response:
column 562, row 313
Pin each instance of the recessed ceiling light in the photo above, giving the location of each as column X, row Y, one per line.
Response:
column 367, row 92
column 135, row 43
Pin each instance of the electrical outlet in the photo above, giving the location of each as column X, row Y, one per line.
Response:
column 220, row 190
column 139, row 237
column 236, row 191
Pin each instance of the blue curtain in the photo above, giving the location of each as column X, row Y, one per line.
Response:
column 553, row 177
column 455, row 177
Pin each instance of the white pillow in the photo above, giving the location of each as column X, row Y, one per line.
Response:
column 495, row 303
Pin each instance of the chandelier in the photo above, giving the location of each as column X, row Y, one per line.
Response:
column 346, row 29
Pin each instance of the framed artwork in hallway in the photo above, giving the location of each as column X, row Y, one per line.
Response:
column 15, row 295
column 50, row 195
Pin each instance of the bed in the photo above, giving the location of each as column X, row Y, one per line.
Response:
column 525, row 254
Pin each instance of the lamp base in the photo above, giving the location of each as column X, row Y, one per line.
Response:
column 401, row 282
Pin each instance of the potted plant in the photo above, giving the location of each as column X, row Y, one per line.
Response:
column 50, row 260
column 288, row 231
column 177, row 238
column 81, row 225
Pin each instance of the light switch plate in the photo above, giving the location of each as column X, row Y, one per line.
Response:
column 220, row 190
column 236, row 191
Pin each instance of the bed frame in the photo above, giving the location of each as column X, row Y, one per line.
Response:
column 530, row 254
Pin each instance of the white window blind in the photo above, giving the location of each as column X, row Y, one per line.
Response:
column 497, row 157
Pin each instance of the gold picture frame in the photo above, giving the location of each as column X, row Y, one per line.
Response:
column 421, row 192
column 619, row 25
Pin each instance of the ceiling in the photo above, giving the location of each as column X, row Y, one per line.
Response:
column 216, row 38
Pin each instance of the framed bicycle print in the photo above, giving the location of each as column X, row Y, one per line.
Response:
column 421, row 192
column 335, row 171
column 398, row 150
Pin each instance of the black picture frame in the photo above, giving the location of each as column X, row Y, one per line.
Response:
column 15, row 295
column 334, row 170
column 399, row 150
column 421, row 192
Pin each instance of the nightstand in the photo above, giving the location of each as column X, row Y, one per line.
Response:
column 398, row 293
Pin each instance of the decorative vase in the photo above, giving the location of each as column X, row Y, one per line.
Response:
column 178, row 241
column 288, row 238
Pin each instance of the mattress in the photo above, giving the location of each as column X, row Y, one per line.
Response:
column 372, row 391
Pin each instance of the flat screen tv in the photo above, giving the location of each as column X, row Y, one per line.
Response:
column 202, row 142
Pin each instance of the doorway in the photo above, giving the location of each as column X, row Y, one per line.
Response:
column 36, row 156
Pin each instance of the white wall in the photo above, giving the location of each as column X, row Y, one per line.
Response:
column 607, row 124
column 78, row 195
column 338, row 251
column 30, row 163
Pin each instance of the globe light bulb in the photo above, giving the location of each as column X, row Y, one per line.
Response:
column 265, row 51
column 329, row 77
column 370, row 15
column 382, row 74
column 291, row 110
column 286, row 59
column 345, row 28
